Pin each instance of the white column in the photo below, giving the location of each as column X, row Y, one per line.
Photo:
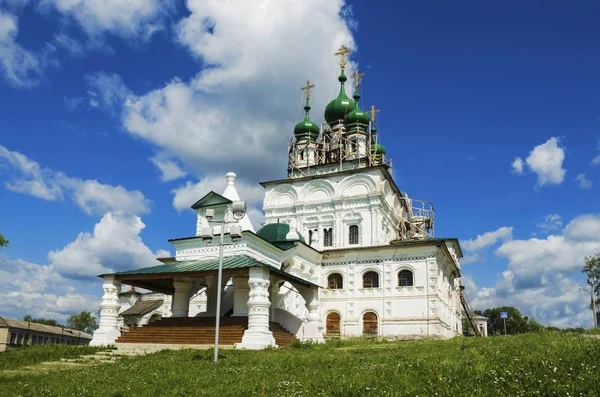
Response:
column 258, row 335
column 273, row 297
column 108, row 331
column 181, row 298
column 313, row 330
column 211, row 296
column 241, row 291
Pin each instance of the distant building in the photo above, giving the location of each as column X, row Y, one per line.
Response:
column 18, row 333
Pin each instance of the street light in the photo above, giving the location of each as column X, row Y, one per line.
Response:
column 593, row 305
column 238, row 209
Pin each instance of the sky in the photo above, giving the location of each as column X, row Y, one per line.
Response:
column 117, row 115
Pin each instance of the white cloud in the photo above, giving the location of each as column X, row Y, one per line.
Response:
column 169, row 169
column 107, row 91
column 114, row 245
column 517, row 166
column 93, row 197
column 126, row 18
column 595, row 160
column 550, row 223
column 238, row 112
column 584, row 183
column 28, row 288
column 487, row 239
column 546, row 161
column 472, row 258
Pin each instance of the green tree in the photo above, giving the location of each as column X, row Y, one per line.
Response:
column 592, row 272
column 84, row 321
column 44, row 321
column 516, row 323
column 3, row 241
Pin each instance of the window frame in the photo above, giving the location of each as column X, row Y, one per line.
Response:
column 341, row 281
column 412, row 278
column 372, row 284
column 353, row 239
column 328, row 237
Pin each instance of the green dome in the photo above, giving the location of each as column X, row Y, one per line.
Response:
column 306, row 129
column 357, row 117
column 340, row 106
column 276, row 232
column 378, row 149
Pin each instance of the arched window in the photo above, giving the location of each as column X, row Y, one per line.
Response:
column 353, row 234
column 371, row 280
column 405, row 278
column 332, row 324
column 335, row 281
column 328, row 237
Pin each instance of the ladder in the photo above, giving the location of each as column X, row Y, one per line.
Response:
column 468, row 310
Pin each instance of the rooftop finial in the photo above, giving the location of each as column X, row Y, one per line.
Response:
column 230, row 178
column 307, row 89
column 342, row 52
column 357, row 77
column 373, row 111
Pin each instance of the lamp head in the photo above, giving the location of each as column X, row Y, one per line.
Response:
column 238, row 208
column 210, row 213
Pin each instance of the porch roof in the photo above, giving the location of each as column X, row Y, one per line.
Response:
column 196, row 268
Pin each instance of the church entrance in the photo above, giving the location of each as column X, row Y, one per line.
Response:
column 370, row 324
column 333, row 324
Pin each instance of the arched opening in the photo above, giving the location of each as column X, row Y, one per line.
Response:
column 405, row 278
column 371, row 280
column 155, row 317
column 332, row 324
column 335, row 281
column 370, row 324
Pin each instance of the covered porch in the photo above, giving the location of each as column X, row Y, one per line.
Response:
column 249, row 290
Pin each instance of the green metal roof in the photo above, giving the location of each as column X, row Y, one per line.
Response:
column 276, row 232
column 229, row 262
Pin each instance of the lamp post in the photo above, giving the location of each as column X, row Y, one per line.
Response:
column 239, row 211
column 593, row 305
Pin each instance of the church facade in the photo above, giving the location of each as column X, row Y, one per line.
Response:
column 343, row 252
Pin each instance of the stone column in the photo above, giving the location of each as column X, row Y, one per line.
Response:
column 108, row 330
column 241, row 291
column 313, row 329
column 181, row 297
column 273, row 297
column 258, row 335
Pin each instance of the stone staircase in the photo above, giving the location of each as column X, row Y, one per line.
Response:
column 197, row 331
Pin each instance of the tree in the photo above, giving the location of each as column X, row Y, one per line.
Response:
column 516, row 323
column 592, row 271
column 84, row 321
column 3, row 241
column 44, row 321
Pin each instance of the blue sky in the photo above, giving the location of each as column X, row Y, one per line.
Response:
column 117, row 115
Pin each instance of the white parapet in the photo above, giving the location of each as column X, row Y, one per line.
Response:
column 258, row 335
column 108, row 331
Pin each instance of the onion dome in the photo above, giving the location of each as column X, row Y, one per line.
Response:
column 277, row 233
column 306, row 130
column 376, row 149
column 342, row 105
column 356, row 118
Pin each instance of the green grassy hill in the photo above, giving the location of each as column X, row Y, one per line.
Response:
column 525, row 365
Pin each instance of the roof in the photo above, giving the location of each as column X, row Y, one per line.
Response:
column 27, row 325
column 277, row 232
column 202, row 265
column 211, row 199
column 142, row 307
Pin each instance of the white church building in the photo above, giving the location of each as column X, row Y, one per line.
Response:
column 343, row 252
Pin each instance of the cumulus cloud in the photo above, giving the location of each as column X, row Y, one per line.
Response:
column 238, row 112
column 114, row 245
column 596, row 160
column 584, row 183
column 27, row 177
column 550, row 223
column 546, row 161
column 517, row 166
column 169, row 169
column 40, row 290
column 134, row 19
column 487, row 239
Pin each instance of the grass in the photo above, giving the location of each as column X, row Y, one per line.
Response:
column 523, row 365
column 31, row 355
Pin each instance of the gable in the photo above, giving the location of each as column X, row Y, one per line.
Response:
column 211, row 199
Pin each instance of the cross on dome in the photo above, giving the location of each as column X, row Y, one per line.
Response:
column 357, row 77
column 307, row 89
column 343, row 50
column 373, row 111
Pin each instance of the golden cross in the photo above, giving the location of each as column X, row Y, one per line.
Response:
column 356, row 76
column 373, row 111
column 342, row 52
column 307, row 89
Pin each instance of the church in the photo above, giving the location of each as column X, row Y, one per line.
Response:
column 343, row 253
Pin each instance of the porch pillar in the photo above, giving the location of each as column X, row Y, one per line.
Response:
column 273, row 297
column 313, row 330
column 181, row 298
column 108, row 330
column 241, row 291
column 258, row 335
